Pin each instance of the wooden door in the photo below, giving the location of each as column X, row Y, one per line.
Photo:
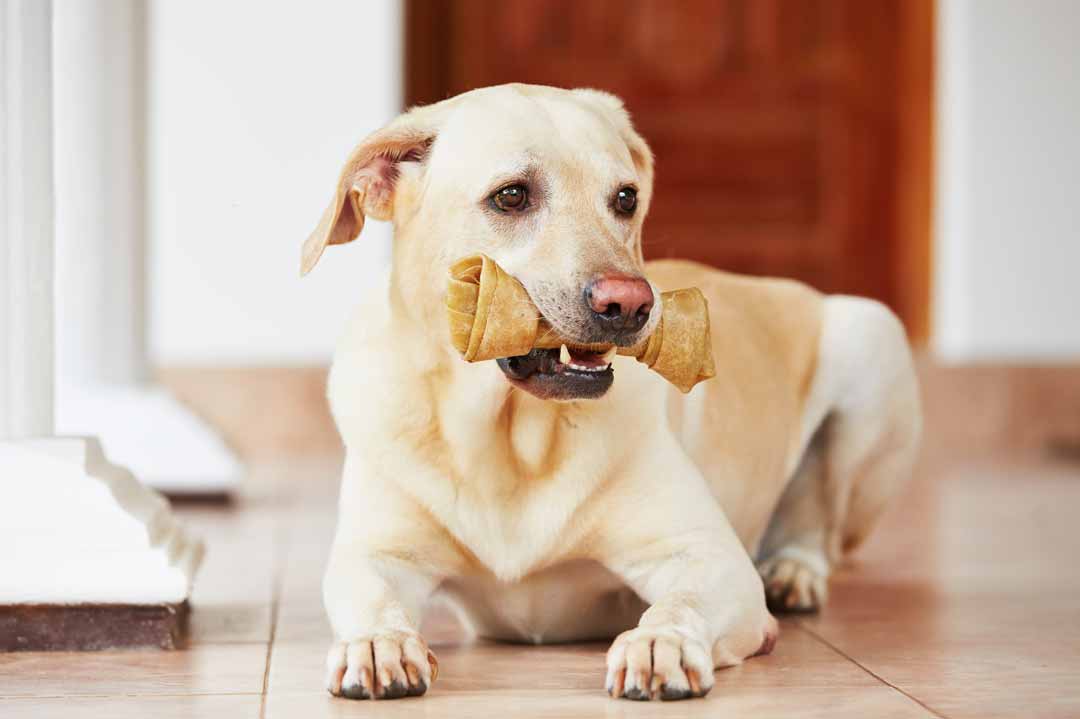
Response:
column 781, row 127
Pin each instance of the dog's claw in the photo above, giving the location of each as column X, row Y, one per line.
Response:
column 646, row 664
column 387, row 666
column 394, row 690
column 434, row 663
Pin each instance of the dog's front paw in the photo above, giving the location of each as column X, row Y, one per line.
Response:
column 384, row 666
column 657, row 663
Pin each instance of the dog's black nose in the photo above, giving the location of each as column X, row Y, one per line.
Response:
column 620, row 303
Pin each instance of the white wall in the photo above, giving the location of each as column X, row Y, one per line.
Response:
column 1007, row 264
column 252, row 108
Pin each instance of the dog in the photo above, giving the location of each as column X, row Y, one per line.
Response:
column 566, row 495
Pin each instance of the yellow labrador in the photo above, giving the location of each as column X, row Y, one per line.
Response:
column 556, row 496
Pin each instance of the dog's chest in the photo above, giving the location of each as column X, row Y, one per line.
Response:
column 510, row 485
column 513, row 532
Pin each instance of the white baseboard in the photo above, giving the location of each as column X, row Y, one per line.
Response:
column 147, row 430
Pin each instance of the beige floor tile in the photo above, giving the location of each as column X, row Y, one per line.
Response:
column 231, row 601
column 229, row 622
column 303, row 622
column 144, row 707
column 874, row 701
column 204, row 669
column 966, row 596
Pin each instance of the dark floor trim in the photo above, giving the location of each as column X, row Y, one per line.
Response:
column 91, row 627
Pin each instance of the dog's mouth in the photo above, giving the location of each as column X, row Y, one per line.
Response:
column 561, row 374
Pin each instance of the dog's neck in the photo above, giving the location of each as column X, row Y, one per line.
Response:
column 494, row 421
column 476, row 418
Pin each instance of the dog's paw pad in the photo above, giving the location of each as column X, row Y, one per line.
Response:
column 385, row 666
column 646, row 663
column 792, row 585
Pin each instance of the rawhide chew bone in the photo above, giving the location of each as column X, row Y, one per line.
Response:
column 492, row 316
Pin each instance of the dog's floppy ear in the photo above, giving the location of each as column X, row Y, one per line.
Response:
column 365, row 186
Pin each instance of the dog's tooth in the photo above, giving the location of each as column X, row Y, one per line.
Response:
column 564, row 354
column 608, row 356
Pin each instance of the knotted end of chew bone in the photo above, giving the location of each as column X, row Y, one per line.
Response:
column 680, row 348
column 491, row 315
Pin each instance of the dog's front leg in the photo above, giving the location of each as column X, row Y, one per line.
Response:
column 374, row 604
column 667, row 537
column 384, row 563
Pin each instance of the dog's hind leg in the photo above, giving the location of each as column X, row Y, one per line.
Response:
column 793, row 559
column 864, row 424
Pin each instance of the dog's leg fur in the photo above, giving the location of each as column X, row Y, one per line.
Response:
column 865, row 425
column 374, row 593
column 374, row 603
column 707, row 604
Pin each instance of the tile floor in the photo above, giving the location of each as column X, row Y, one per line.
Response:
column 966, row 603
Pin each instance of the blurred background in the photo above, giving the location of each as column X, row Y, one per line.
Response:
column 920, row 152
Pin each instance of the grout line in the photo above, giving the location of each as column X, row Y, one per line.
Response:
column 880, row 678
column 269, row 654
column 275, row 606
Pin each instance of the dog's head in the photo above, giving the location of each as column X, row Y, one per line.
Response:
column 552, row 184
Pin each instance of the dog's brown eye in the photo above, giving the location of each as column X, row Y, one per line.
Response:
column 512, row 198
column 626, row 200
